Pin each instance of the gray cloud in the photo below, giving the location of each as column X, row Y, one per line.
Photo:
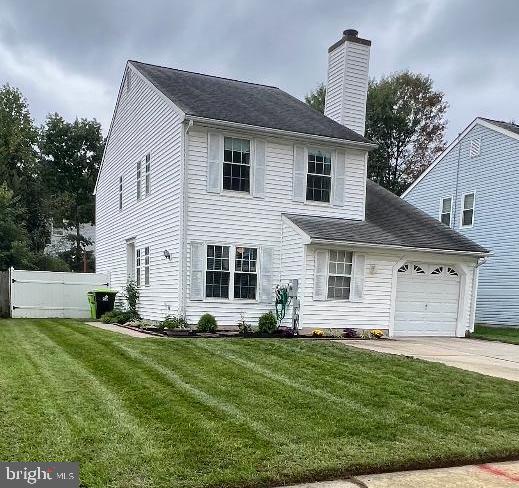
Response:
column 68, row 56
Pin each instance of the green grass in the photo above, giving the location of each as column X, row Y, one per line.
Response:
column 229, row 413
column 502, row 334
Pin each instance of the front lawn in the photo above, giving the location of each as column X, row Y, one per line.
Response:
column 229, row 413
column 501, row 334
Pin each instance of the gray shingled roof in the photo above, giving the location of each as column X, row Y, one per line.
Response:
column 505, row 125
column 245, row 103
column 389, row 221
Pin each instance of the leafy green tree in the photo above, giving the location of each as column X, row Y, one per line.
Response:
column 71, row 154
column 405, row 116
column 13, row 237
column 317, row 97
column 19, row 166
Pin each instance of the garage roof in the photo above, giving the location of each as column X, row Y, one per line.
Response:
column 390, row 221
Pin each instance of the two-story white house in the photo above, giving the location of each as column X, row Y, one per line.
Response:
column 472, row 188
column 212, row 191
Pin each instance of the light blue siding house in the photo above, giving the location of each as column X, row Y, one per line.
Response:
column 473, row 187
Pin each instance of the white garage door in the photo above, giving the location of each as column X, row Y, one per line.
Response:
column 426, row 300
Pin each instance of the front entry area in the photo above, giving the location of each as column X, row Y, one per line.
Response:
column 427, row 300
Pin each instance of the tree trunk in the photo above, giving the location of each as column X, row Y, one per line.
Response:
column 78, row 241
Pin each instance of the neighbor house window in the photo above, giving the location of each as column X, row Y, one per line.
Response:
column 467, row 217
column 147, row 184
column 139, row 178
column 120, row 192
column 146, row 266
column 217, row 273
column 446, row 211
column 138, row 268
column 339, row 274
column 236, row 164
column 319, row 179
column 245, row 272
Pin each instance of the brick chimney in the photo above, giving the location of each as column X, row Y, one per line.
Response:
column 347, row 85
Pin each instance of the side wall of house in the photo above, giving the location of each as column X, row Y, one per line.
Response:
column 494, row 179
column 143, row 123
column 240, row 219
column 374, row 310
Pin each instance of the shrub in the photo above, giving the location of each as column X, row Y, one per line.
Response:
column 243, row 326
column 267, row 323
column 207, row 323
column 117, row 316
column 350, row 333
column 132, row 297
column 173, row 322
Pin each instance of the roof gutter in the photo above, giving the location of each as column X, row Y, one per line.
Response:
column 204, row 121
column 400, row 248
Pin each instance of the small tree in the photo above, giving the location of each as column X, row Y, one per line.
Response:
column 132, row 297
column 317, row 97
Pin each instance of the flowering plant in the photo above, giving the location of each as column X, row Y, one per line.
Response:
column 376, row 333
column 317, row 333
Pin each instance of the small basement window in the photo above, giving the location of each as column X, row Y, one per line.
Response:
column 467, row 218
column 236, row 164
column 319, row 179
column 339, row 275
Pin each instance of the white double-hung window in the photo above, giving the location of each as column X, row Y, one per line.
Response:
column 142, row 266
column 467, row 212
column 236, row 164
column 340, row 266
column 245, row 272
column 319, row 176
column 446, row 211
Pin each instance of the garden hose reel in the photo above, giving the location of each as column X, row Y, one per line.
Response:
column 286, row 295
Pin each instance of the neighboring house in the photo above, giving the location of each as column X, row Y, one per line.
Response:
column 60, row 239
column 472, row 187
column 212, row 191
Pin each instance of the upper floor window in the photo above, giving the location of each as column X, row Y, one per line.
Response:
column 318, row 178
column 139, row 180
column 475, row 147
column 339, row 274
column 446, row 211
column 147, row 181
column 236, row 164
column 467, row 216
column 120, row 192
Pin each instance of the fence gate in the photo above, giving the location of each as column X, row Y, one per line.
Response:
column 45, row 294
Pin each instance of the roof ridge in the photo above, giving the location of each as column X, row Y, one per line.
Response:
column 499, row 121
column 203, row 74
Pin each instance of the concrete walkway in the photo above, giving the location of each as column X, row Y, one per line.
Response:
column 122, row 330
column 496, row 475
column 486, row 357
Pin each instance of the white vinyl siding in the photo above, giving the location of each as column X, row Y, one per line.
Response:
column 142, row 120
column 256, row 222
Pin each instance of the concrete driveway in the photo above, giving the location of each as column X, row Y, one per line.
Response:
column 486, row 357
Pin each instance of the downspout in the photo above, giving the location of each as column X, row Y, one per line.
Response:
column 182, row 292
column 475, row 281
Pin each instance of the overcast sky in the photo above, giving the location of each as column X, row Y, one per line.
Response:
column 68, row 56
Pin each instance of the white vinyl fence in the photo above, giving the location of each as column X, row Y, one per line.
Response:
column 44, row 294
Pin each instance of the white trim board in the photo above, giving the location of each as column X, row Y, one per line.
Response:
column 454, row 143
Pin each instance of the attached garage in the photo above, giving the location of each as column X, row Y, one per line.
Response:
column 427, row 300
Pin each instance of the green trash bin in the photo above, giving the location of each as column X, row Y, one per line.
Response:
column 101, row 300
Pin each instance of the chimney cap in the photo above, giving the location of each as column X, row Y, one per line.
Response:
column 350, row 35
column 351, row 32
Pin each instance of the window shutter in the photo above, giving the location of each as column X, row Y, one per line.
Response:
column 321, row 275
column 266, row 274
column 299, row 180
column 197, row 271
column 260, row 164
column 339, row 170
column 214, row 162
column 359, row 267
